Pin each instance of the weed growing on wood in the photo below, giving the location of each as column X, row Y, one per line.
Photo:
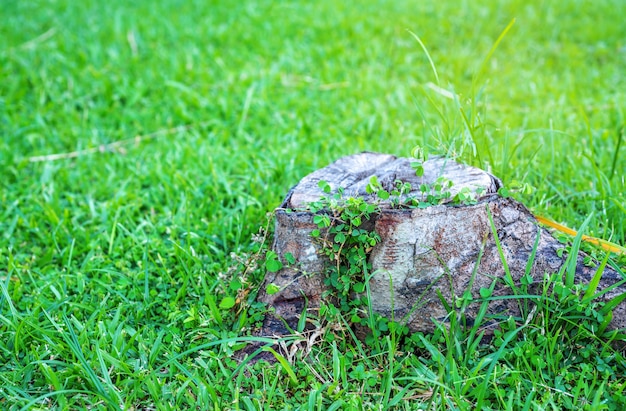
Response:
column 438, row 192
column 347, row 244
column 347, row 237
column 430, row 194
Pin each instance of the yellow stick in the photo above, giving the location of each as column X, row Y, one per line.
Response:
column 606, row 245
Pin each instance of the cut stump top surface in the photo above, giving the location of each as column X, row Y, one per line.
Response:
column 353, row 173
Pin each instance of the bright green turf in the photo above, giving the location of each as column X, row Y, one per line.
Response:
column 108, row 261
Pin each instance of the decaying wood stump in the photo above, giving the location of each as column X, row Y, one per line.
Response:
column 423, row 251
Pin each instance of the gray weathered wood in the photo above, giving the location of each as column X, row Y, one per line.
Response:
column 422, row 252
column 353, row 173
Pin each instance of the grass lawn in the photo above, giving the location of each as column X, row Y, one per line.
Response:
column 143, row 143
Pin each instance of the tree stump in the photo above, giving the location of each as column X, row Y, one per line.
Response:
column 423, row 252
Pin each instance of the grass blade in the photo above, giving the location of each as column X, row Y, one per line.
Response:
column 572, row 258
column 492, row 50
column 430, row 60
column 595, row 280
column 285, row 364
column 75, row 347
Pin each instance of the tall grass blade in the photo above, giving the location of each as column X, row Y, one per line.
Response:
column 41, row 398
column 610, row 305
column 430, row 60
column 619, row 205
column 508, row 278
column 75, row 347
column 495, row 45
column 336, row 405
column 595, row 280
column 572, row 258
column 303, row 317
column 215, row 312
column 5, row 294
column 470, row 131
column 105, row 375
column 529, row 267
column 399, row 396
column 494, row 358
column 248, row 403
column 619, row 133
column 473, row 340
column 284, row 363
column 314, row 397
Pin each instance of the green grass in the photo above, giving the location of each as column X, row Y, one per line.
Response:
column 113, row 264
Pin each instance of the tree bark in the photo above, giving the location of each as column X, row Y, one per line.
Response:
column 424, row 253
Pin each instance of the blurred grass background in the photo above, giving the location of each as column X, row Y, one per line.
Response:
column 273, row 90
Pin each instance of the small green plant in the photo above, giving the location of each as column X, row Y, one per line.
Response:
column 347, row 239
column 420, row 155
column 466, row 196
column 435, row 193
column 430, row 194
column 398, row 196
column 516, row 187
column 347, row 244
